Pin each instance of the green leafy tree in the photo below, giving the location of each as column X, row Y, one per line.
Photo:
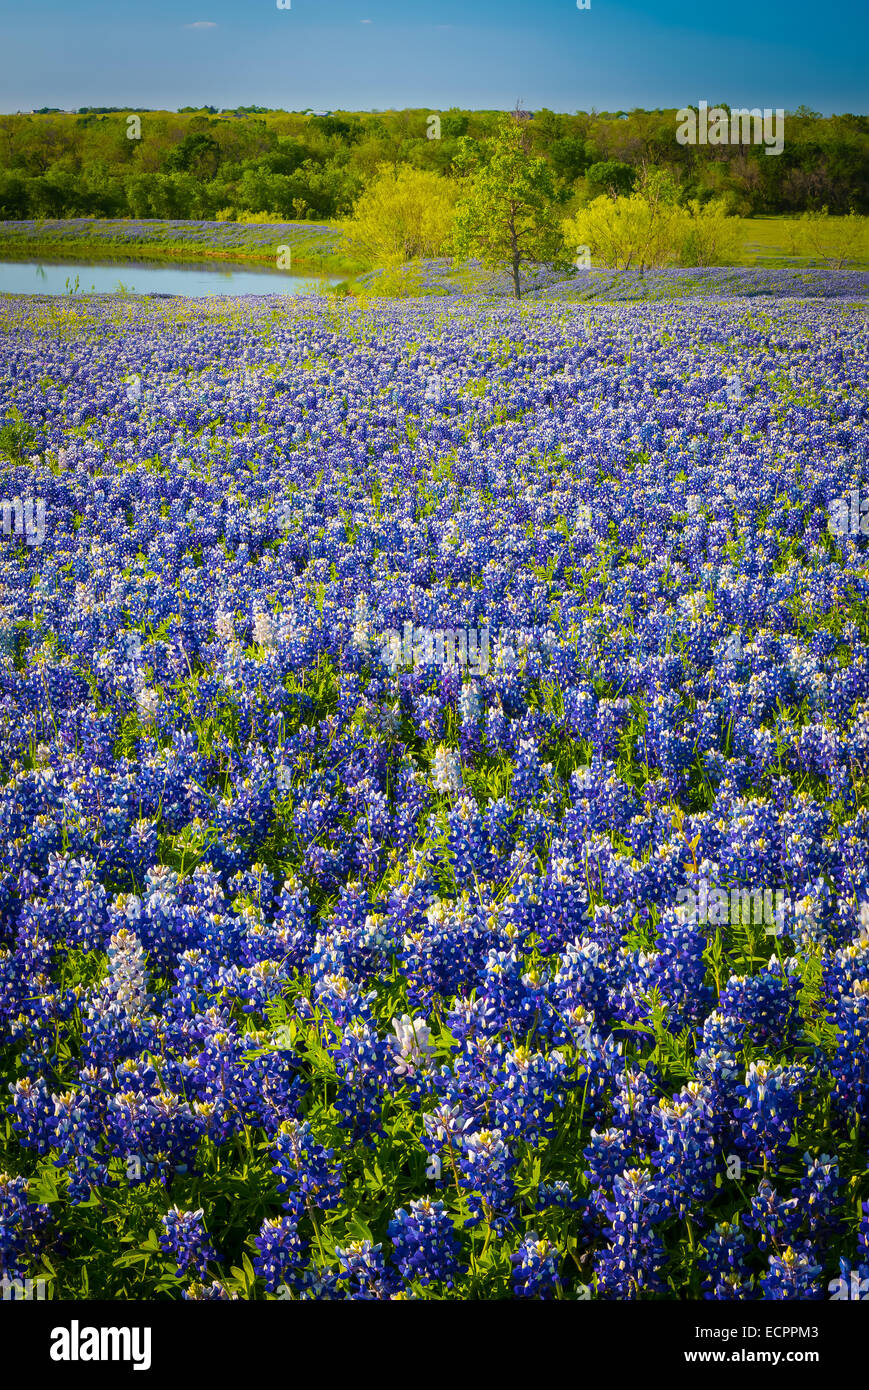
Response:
column 611, row 176
column 650, row 228
column 568, row 157
column 197, row 154
column 507, row 211
column 403, row 214
column 837, row 240
column 454, row 124
column 13, row 196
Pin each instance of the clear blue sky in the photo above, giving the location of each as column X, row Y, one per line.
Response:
column 380, row 54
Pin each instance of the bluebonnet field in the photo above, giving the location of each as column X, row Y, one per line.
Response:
column 328, row 971
column 445, row 277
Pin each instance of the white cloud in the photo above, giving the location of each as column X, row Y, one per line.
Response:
column 202, row 24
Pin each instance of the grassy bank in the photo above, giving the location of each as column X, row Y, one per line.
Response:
column 316, row 247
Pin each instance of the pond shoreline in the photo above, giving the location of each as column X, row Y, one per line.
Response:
column 55, row 277
column 310, row 246
column 113, row 252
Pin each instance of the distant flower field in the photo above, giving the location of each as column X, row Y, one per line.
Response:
column 443, row 277
column 434, row 798
column 164, row 238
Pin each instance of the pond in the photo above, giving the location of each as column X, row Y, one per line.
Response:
column 150, row 277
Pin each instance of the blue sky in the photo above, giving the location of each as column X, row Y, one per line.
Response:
column 380, row 54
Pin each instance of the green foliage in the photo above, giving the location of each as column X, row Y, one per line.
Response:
column 17, row 439
column 508, row 209
column 198, row 153
column 835, row 239
column 191, row 163
column 404, row 214
column 706, row 234
column 650, row 228
column 569, row 157
column 611, row 176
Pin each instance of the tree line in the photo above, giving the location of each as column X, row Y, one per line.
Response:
column 298, row 166
column 503, row 207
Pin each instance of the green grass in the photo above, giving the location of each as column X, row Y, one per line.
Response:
column 781, row 241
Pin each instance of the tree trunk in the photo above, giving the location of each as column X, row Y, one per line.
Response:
column 514, row 242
